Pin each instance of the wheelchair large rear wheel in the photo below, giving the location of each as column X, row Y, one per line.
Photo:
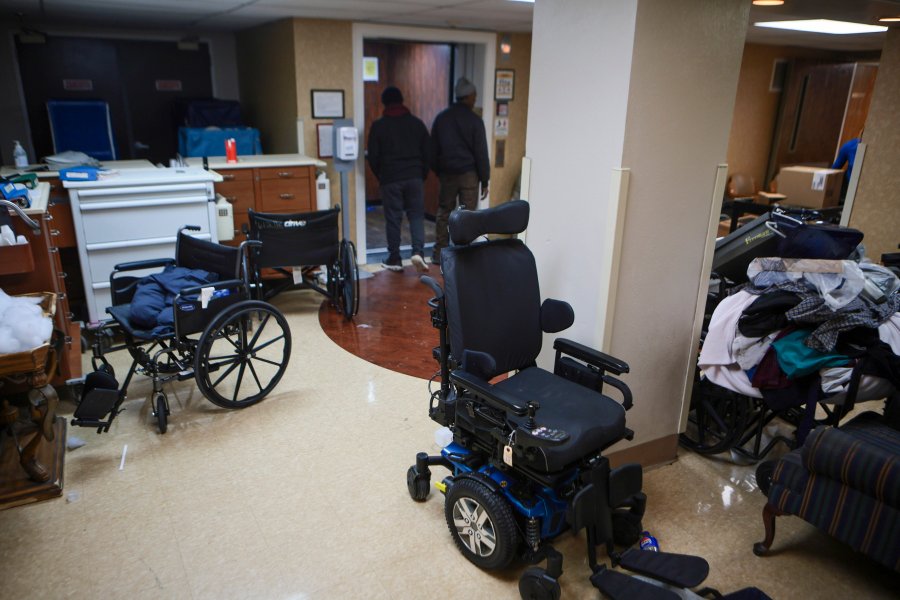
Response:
column 717, row 420
column 242, row 354
column 348, row 289
column 481, row 523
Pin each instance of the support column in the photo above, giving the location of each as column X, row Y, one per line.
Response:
column 647, row 86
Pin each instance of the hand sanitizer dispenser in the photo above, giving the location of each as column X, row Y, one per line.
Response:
column 347, row 143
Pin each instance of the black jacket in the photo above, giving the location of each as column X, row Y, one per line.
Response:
column 398, row 148
column 459, row 144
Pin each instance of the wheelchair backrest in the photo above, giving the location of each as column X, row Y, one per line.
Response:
column 295, row 239
column 194, row 253
column 491, row 290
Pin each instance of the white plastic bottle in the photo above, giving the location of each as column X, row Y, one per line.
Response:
column 19, row 155
column 224, row 219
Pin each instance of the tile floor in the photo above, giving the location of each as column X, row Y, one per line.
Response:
column 303, row 496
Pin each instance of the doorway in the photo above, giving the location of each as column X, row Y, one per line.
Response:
column 423, row 73
column 478, row 65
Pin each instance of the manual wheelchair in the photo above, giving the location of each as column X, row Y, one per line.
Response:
column 240, row 356
column 299, row 243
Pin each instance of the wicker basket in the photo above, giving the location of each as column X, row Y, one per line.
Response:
column 33, row 360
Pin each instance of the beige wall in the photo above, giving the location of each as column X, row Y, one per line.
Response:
column 324, row 61
column 876, row 207
column 504, row 180
column 266, row 60
column 755, row 110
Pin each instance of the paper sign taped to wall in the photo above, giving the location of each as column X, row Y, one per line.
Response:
column 818, row 180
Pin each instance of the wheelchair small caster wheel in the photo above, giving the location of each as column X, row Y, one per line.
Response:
column 536, row 584
column 418, row 484
column 162, row 412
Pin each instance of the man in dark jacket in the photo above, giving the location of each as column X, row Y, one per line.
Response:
column 398, row 155
column 459, row 156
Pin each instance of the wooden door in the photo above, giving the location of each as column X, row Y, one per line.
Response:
column 422, row 73
column 812, row 114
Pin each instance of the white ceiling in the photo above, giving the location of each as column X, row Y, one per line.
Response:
column 494, row 15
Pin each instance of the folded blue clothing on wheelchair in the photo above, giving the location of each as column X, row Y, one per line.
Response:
column 151, row 306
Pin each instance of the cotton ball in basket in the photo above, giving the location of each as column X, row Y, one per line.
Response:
column 8, row 344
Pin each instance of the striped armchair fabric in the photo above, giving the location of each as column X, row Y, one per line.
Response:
column 846, row 482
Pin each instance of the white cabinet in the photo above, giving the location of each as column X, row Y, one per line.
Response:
column 135, row 215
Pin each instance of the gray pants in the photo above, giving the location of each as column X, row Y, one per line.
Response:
column 463, row 186
column 399, row 197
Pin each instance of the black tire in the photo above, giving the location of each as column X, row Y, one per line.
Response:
column 492, row 543
column 717, row 420
column 536, row 584
column 228, row 365
column 349, row 278
column 417, row 486
column 162, row 412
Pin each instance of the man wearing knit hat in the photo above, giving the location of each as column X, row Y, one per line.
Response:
column 398, row 155
column 459, row 156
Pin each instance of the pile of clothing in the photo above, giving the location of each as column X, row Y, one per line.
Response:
column 803, row 331
column 151, row 306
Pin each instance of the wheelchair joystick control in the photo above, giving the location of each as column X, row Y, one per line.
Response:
column 532, row 409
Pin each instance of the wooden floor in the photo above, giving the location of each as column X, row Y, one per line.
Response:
column 393, row 328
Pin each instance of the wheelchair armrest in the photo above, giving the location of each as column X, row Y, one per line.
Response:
column 627, row 402
column 599, row 359
column 219, row 285
column 143, row 264
column 486, row 392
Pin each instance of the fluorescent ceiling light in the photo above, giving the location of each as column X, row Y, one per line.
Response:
column 823, row 26
column 528, row 1
column 889, row 19
column 768, row 2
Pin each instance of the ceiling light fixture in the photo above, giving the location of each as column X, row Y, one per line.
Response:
column 528, row 1
column 889, row 20
column 768, row 2
column 823, row 26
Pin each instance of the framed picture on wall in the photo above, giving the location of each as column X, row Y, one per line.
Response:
column 504, row 84
column 370, row 68
column 324, row 141
column 327, row 104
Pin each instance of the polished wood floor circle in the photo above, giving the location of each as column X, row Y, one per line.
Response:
column 393, row 327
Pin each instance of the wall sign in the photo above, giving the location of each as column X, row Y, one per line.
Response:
column 501, row 126
column 168, row 85
column 327, row 104
column 325, row 143
column 78, row 85
column 504, row 84
column 370, row 68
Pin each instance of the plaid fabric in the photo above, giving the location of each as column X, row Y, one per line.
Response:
column 860, row 312
column 846, row 482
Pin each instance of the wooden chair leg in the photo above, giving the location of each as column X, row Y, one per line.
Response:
column 770, row 511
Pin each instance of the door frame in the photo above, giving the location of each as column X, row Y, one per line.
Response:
column 362, row 31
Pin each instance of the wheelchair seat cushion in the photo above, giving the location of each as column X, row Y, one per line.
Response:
column 122, row 315
column 592, row 420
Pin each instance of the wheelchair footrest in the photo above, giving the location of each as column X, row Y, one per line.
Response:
column 679, row 570
column 619, row 586
column 96, row 404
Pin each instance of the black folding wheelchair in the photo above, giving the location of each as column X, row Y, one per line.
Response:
column 526, row 459
column 300, row 243
column 240, row 356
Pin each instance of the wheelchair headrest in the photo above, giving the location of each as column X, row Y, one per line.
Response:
column 468, row 225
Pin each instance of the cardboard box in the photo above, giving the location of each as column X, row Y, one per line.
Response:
column 810, row 187
column 769, row 197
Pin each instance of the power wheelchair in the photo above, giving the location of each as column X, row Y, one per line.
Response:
column 526, row 459
column 240, row 356
column 304, row 241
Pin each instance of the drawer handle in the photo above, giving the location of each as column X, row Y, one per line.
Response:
column 49, row 217
column 68, row 340
column 61, row 296
column 54, row 250
column 285, row 174
column 54, row 232
column 286, row 196
column 70, row 316
column 228, row 177
column 62, row 275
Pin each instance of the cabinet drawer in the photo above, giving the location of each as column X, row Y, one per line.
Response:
column 62, row 222
column 101, row 261
column 284, row 196
column 235, row 175
column 285, row 173
column 239, row 193
column 101, row 224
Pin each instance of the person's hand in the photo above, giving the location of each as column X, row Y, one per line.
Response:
column 484, row 191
